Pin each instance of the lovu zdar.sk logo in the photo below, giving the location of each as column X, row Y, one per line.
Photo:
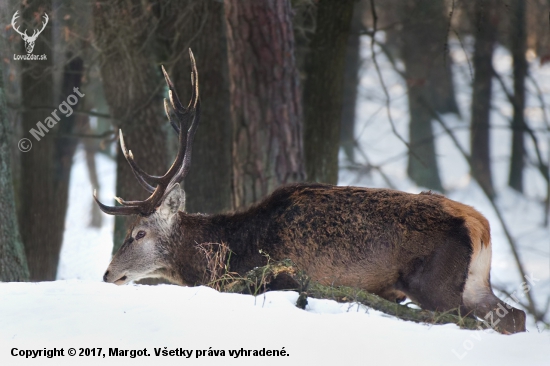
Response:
column 29, row 40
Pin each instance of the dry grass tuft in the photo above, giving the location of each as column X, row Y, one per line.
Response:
column 217, row 274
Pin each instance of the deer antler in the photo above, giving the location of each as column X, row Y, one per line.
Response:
column 36, row 33
column 179, row 118
column 24, row 34
column 15, row 16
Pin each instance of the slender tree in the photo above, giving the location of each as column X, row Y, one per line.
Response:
column 518, row 47
column 323, row 90
column 351, row 81
column 422, row 50
column 13, row 262
column 41, row 215
column 485, row 36
column 265, row 98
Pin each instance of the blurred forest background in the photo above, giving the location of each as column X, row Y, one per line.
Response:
column 279, row 84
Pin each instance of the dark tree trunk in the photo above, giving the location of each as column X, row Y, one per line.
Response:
column 13, row 263
column 45, row 170
column 66, row 147
column 201, row 26
column 422, row 51
column 323, row 90
column 39, row 230
column 443, row 93
column 265, row 98
column 132, row 87
column 351, row 82
column 208, row 185
column 303, row 23
column 518, row 46
column 485, row 26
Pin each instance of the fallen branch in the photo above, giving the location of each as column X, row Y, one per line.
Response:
column 284, row 275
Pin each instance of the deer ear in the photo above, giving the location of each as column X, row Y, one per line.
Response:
column 174, row 202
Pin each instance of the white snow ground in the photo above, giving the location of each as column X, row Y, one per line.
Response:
column 80, row 311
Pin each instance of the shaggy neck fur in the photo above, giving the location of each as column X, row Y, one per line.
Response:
column 240, row 234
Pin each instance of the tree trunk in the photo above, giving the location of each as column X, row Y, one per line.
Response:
column 201, row 26
column 443, row 93
column 13, row 263
column 518, row 46
column 132, row 85
column 323, row 90
column 265, row 98
column 351, row 82
column 482, row 90
column 42, row 214
column 422, row 51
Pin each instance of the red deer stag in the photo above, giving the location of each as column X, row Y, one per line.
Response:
column 424, row 246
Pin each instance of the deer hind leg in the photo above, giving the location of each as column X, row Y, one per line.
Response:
column 436, row 281
column 478, row 297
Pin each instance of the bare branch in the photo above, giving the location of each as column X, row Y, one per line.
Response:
column 383, row 84
column 543, row 168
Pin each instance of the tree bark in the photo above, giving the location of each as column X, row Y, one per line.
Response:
column 265, row 98
column 132, row 85
column 13, row 262
column 351, row 82
column 422, row 50
column 482, row 91
column 201, row 26
column 519, row 47
column 323, row 90
column 45, row 170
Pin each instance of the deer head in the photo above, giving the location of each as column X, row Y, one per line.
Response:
column 29, row 40
column 141, row 255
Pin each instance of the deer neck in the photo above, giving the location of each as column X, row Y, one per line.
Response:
column 196, row 235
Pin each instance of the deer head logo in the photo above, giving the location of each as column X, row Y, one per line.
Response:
column 29, row 40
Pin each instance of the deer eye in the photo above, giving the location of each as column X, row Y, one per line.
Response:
column 140, row 234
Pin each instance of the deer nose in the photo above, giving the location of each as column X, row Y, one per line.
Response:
column 105, row 276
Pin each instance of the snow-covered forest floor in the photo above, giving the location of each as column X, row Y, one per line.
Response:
column 80, row 311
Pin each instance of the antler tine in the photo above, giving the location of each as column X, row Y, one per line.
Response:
column 194, row 81
column 146, row 206
column 117, row 210
column 184, row 169
column 138, row 172
column 181, row 164
column 194, row 105
column 175, row 109
column 44, row 23
column 171, row 116
column 176, row 105
column 173, row 95
column 15, row 16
